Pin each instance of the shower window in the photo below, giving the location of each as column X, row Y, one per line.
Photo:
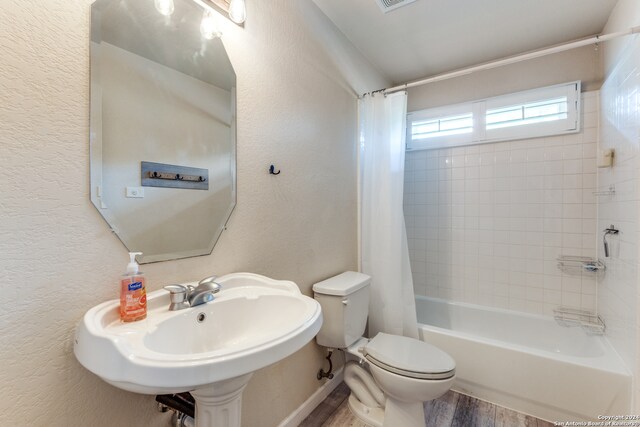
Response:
column 442, row 126
column 534, row 113
column 547, row 110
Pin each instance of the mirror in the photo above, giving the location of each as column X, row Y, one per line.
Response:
column 162, row 132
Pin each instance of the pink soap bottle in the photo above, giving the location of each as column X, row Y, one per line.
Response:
column 133, row 294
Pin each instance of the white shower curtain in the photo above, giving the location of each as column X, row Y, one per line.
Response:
column 384, row 249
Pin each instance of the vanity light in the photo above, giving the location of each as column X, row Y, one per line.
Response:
column 209, row 28
column 234, row 10
column 165, row 7
column 237, row 11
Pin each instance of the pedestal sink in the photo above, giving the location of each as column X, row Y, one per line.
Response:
column 210, row 350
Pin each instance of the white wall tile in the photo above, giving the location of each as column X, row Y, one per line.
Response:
column 617, row 290
column 487, row 222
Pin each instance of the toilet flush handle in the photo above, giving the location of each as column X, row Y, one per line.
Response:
column 345, row 301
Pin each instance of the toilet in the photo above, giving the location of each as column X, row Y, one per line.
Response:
column 390, row 376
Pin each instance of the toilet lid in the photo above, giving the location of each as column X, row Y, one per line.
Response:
column 409, row 357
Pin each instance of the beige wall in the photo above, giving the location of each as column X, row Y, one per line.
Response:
column 57, row 256
column 578, row 64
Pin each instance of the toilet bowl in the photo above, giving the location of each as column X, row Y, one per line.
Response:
column 390, row 376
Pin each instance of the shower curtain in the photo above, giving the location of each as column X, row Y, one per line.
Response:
column 384, row 249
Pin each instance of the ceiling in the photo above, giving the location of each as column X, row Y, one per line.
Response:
column 429, row 37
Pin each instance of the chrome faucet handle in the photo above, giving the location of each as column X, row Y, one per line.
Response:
column 203, row 293
column 176, row 289
column 178, row 297
column 210, row 279
column 209, row 284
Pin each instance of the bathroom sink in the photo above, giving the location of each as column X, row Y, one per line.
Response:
column 253, row 322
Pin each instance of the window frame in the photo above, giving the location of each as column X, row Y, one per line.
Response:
column 441, row 112
column 481, row 135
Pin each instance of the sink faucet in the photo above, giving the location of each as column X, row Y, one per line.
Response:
column 190, row 296
column 203, row 292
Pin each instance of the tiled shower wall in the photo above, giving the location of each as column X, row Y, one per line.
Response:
column 486, row 223
column 618, row 294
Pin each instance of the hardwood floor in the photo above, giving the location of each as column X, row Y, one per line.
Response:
column 451, row 410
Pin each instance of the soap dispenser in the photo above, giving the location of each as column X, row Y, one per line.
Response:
column 133, row 294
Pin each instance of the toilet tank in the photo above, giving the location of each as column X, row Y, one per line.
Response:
column 345, row 306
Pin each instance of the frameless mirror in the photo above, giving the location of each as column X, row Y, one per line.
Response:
column 162, row 132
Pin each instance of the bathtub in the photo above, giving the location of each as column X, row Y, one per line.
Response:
column 526, row 362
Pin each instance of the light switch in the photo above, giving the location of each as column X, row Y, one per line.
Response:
column 135, row 192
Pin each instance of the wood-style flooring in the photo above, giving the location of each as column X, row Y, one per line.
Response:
column 452, row 409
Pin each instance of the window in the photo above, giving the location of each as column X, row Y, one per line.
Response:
column 524, row 114
column 540, row 112
column 442, row 126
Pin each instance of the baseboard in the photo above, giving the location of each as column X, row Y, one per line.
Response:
column 304, row 410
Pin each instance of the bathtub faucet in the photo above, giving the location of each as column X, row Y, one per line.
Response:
column 610, row 230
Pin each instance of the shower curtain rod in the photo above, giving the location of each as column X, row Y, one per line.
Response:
column 515, row 59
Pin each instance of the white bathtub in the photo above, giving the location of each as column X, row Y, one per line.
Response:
column 527, row 362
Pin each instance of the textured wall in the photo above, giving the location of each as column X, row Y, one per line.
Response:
column 57, row 256
column 486, row 222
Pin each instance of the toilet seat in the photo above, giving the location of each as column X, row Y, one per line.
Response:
column 409, row 357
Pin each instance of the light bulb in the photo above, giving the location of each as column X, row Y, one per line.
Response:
column 165, row 7
column 209, row 26
column 237, row 11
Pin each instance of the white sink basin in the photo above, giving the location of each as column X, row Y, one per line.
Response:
column 253, row 322
column 231, row 326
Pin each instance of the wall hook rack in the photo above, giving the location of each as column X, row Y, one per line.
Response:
column 272, row 170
